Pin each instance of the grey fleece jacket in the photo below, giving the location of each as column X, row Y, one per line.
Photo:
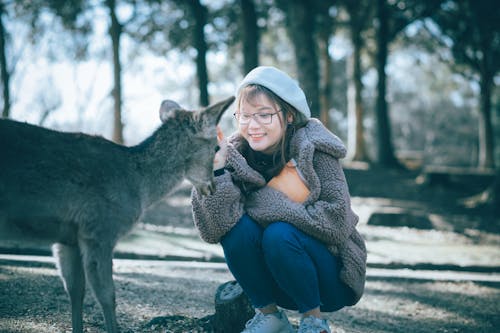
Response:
column 325, row 215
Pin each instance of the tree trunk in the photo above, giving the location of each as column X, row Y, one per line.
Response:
column 326, row 78
column 300, row 28
column 199, row 42
column 232, row 308
column 250, row 36
column 385, row 150
column 358, row 14
column 115, row 31
column 486, row 139
column 355, row 105
column 4, row 67
column 495, row 189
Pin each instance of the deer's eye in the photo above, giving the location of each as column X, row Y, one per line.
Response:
column 217, row 148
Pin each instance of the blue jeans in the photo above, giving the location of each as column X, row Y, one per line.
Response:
column 282, row 265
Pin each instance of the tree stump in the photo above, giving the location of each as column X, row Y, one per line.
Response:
column 232, row 308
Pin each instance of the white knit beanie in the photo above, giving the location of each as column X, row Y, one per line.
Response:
column 279, row 83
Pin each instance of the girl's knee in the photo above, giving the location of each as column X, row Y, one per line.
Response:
column 278, row 231
column 279, row 237
column 244, row 233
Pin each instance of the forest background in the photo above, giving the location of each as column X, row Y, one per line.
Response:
column 397, row 80
column 407, row 84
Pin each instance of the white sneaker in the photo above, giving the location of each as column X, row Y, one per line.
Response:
column 268, row 323
column 313, row 325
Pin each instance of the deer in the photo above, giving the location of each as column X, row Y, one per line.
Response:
column 81, row 193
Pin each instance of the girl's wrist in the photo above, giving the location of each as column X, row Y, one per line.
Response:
column 219, row 172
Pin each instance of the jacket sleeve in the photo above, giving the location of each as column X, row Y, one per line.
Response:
column 214, row 215
column 329, row 218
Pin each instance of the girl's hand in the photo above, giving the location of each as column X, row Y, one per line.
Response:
column 221, row 154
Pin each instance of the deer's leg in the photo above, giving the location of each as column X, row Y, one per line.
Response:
column 69, row 264
column 98, row 265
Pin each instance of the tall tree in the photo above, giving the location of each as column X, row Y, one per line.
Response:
column 199, row 13
column 392, row 18
column 326, row 28
column 23, row 12
column 73, row 17
column 300, row 24
column 4, row 67
column 29, row 14
column 473, row 27
column 179, row 24
column 115, row 32
column 385, row 149
column 359, row 14
column 250, row 35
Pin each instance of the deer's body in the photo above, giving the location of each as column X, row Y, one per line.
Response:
column 100, row 178
column 83, row 192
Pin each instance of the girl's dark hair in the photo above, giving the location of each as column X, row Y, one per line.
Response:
column 299, row 120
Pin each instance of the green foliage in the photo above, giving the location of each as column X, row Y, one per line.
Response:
column 68, row 11
column 472, row 29
column 420, row 96
column 404, row 12
column 167, row 25
column 71, row 24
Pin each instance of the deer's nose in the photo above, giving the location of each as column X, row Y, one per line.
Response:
column 207, row 189
column 211, row 187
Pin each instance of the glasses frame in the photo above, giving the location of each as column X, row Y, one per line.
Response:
column 253, row 116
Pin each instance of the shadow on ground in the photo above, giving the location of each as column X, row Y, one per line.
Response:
column 159, row 296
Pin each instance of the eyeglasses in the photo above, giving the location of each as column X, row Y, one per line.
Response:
column 261, row 118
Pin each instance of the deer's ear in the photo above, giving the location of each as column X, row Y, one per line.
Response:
column 214, row 112
column 166, row 109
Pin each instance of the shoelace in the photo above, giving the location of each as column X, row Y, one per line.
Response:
column 310, row 326
column 256, row 321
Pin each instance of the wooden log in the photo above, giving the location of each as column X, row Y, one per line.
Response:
column 232, row 308
column 448, row 175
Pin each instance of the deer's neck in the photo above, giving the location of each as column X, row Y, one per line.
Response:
column 160, row 162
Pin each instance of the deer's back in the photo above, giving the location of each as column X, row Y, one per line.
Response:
column 49, row 178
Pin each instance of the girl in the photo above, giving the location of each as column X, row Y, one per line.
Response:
column 281, row 209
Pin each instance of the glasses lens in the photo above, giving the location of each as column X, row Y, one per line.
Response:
column 261, row 118
column 244, row 118
column 264, row 118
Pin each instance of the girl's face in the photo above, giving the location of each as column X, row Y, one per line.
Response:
column 261, row 123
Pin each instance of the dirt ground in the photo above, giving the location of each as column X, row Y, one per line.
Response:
column 178, row 296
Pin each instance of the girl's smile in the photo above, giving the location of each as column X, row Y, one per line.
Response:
column 256, row 136
column 263, row 137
